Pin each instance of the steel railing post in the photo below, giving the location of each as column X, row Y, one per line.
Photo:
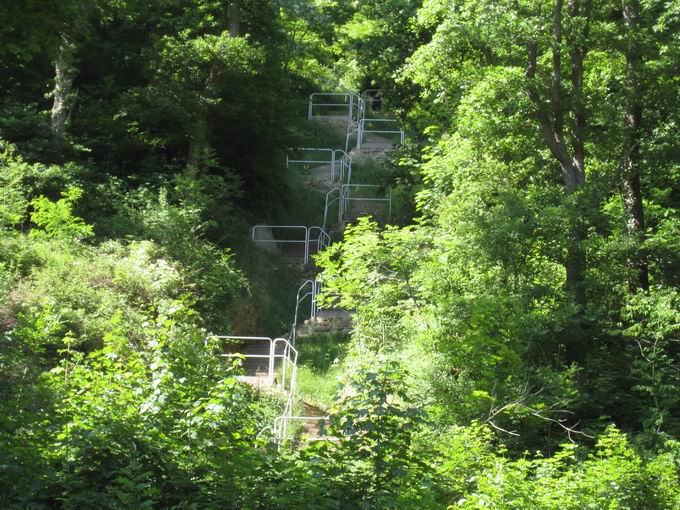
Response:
column 272, row 352
column 332, row 166
column 284, row 366
column 309, row 110
column 360, row 134
column 306, row 255
column 351, row 106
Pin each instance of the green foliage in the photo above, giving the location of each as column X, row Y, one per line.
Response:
column 111, row 397
column 613, row 476
column 179, row 231
column 21, row 182
column 124, row 244
column 320, row 359
column 653, row 325
column 57, row 219
column 135, row 427
column 13, row 204
column 376, row 422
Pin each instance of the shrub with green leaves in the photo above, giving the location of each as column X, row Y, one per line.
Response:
column 613, row 475
column 56, row 219
column 128, row 426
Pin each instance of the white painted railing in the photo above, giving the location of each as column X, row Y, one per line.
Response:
column 279, row 349
column 288, row 235
column 318, row 240
column 333, row 197
column 384, row 127
column 353, row 108
column 291, row 356
column 311, row 239
column 317, row 159
column 324, row 105
column 309, row 158
column 363, row 193
column 306, row 290
column 351, row 132
column 342, row 166
column 338, row 161
column 271, row 354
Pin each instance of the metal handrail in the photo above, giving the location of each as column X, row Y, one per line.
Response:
column 348, row 102
column 289, row 358
column 345, row 163
column 322, row 241
column 329, row 202
column 362, row 130
column 286, row 357
column 346, row 198
column 288, row 408
column 304, row 242
column 340, row 162
column 352, row 128
column 330, row 161
column 281, row 425
column 312, row 288
column 271, row 355
column 298, row 300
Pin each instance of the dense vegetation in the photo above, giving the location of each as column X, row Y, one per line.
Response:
column 516, row 336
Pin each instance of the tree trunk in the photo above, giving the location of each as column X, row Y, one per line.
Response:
column 197, row 145
column 569, row 152
column 234, row 14
column 631, row 193
column 63, row 75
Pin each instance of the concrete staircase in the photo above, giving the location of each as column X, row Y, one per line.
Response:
column 352, row 204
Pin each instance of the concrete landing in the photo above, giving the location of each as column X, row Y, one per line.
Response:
column 326, row 321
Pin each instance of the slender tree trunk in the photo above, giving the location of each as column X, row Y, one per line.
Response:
column 576, row 265
column 569, row 154
column 234, row 14
column 630, row 162
column 63, row 76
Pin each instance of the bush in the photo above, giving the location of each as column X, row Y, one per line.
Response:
column 614, row 475
column 134, row 428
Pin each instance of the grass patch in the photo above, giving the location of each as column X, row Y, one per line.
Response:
column 316, row 388
column 319, row 366
column 321, row 134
